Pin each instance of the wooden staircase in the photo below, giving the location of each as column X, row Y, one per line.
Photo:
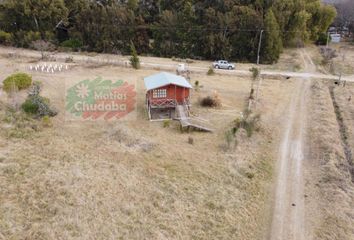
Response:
column 187, row 122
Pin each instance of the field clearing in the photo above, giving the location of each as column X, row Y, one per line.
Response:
column 135, row 179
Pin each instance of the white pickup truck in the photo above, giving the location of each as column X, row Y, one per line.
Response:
column 222, row 64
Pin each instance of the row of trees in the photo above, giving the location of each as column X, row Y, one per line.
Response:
column 207, row 29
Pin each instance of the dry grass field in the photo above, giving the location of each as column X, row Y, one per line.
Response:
column 135, row 179
column 329, row 186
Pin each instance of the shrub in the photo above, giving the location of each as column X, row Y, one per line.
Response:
column 211, row 71
column 29, row 107
column 211, row 101
column 30, row 37
column 322, row 39
column 39, row 106
column 19, row 80
column 255, row 73
column 74, row 44
column 36, row 104
column 5, row 38
column 250, row 124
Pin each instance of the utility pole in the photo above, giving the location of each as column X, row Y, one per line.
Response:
column 259, row 46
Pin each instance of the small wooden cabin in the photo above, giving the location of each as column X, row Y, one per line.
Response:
column 165, row 92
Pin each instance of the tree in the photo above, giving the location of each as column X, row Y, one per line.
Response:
column 273, row 43
column 42, row 46
column 182, row 28
column 134, row 59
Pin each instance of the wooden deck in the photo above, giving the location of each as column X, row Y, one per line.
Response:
column 187, row 122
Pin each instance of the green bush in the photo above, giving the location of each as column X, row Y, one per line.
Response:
column 5, row 38
column 39, row 106
column 30, row 107
column 322, row 39
column 19, row 80
column 36, row 104
column 75, row 44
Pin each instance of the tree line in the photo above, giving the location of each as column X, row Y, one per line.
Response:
column 207, row 29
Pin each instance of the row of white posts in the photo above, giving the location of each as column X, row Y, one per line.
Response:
column 49, row 68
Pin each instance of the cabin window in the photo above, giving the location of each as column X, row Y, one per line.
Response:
column 159, row 93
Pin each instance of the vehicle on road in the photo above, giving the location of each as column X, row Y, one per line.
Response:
column 222, row 64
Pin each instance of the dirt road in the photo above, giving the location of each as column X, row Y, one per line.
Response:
column 167, row 65
column 289, row 210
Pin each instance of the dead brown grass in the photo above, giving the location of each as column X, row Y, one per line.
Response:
column 328, row 182
column 135, row 179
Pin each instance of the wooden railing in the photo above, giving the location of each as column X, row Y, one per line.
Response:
column 162, row 103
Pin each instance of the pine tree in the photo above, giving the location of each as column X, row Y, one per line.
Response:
column 134, row 59
column 273, row 43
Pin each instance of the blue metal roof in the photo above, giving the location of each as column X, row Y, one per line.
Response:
column 164, row 79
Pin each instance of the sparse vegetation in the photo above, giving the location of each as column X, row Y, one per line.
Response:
column 69, row 59
column 327, row 54
column 250, row 123
column 166, row 123
column 19, row 124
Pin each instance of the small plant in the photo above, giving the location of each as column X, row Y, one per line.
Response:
column 134, row 59
column 211, row 71
column 46, row 121
column 19, row 80
column 197, row 86
column 229, row 137
column 249, row 175
column 166, row 123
